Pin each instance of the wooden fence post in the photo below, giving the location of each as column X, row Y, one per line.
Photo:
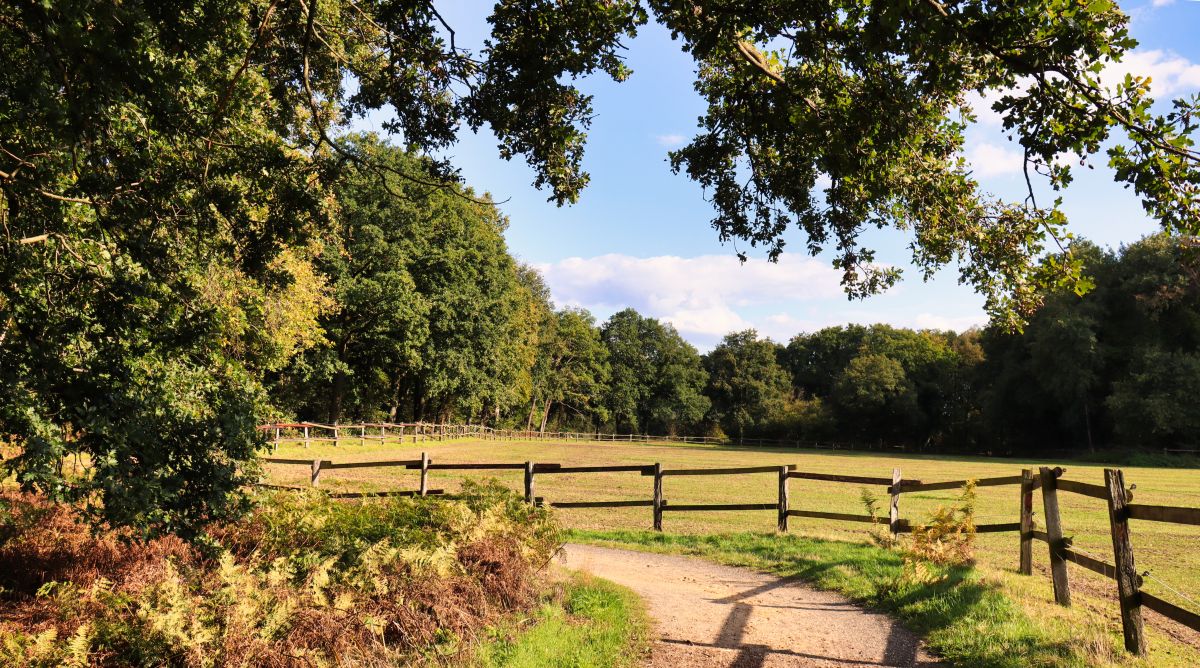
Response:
column 362, row 434
column 305, row 436
column 529, row 482
column 1127, row 577
column 1054, row 535
column 658, row 497
column 894, row 510
column 1026, row 567
column 316, row 473
column 783, row 499
column 424, row 474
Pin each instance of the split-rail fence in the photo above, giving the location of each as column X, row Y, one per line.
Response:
column 1118, row 497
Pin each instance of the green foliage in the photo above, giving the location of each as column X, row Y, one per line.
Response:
column 571, row 370
column 1112, row 368
column 429, row 319
column 657, row 380
column 850, row 93
column 746, row 385
column 884, row 383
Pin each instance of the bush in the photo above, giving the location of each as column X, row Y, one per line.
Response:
column 305, row 580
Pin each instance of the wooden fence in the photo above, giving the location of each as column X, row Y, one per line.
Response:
column 415, row 432
column 1119, row 499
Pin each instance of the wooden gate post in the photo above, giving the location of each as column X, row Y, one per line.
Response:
column 783, row 498
column 1054, row 535
column 894, row 510
column 316, row 473
column 529, row 482
column 424, row 474
column 1127, row 576
column 1026, row 567
column 658, row 497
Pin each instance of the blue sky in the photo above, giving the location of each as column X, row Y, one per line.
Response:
column 640, row 236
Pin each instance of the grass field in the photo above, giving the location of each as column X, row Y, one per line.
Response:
column 1171, row 553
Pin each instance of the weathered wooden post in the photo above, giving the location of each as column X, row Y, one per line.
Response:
column 1026, row 567
column 335, row 435
column 424, row 474
column 383, row 435
column 894, row 509
column 783, row 499
column 1054, row 535
column 305, row 436
column 276, row 438
column 1128, row 591
column 362, row 434
column 658, row 497
column 316, row 473
column 529, row 482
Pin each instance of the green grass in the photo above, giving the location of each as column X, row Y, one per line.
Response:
column 965, row 616
column 591, row 623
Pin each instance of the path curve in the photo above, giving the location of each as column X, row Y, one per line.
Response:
column 710, row 616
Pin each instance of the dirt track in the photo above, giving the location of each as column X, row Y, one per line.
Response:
column 709, row 615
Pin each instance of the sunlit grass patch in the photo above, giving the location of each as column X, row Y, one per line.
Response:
column 588, row 622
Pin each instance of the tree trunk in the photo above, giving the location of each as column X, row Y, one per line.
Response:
column 532, row 408
column 1087, row 422
column 546, row 416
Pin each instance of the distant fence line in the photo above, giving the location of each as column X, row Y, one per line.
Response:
column 416, row 432
column 1119, row 499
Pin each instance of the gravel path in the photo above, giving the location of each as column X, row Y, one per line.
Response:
column 710, row 616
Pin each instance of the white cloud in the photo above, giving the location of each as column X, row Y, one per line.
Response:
column 1163, row 3
column 1170, row 74
column 699, row 295
column 988, row 159
column 982, row 106
column 670, row 141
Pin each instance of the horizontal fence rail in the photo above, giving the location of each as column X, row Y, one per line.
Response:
column 1049, row 481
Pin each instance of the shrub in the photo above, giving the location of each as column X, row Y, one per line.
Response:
column 949, row 535
column 304, row 580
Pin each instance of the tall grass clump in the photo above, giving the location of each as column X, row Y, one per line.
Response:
column 303, row 581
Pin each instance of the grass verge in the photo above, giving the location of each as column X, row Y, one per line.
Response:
column 965, row 615
column 588, row 622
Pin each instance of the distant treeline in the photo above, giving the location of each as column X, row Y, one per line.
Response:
column 423, row 314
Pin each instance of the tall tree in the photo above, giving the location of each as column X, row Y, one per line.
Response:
column 429, row 320
column 571, row 371
column 747, row 386
column 657, row 380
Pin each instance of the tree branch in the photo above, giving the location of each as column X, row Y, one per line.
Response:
column 755, row 58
